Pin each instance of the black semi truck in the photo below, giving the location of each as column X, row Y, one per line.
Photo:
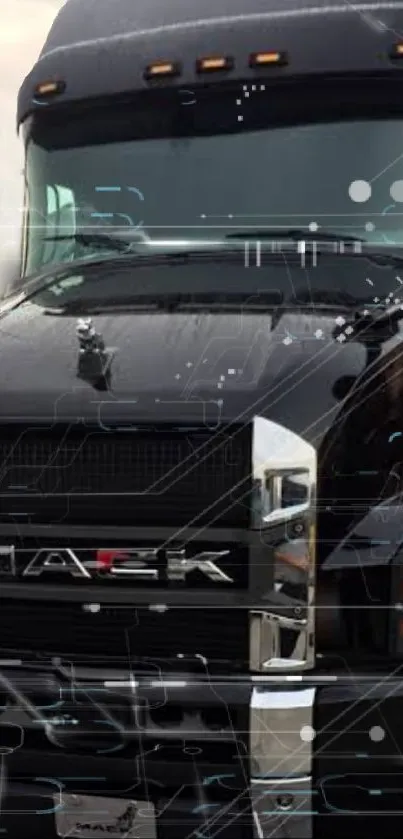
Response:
column 201, row 426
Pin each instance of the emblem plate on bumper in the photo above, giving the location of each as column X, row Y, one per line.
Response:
column 90, row 817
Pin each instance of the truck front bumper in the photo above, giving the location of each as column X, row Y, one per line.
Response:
column 293, row 751
column 232, row 756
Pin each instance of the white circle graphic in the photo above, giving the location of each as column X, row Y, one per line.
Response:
column 376, row 733
column 396, row 191
column 360, row 191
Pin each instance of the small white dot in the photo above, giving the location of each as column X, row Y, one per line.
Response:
column 360, row 191
column 369, row 227
column 340, row 321
column 239, row 102
column 240, row 119
column 287, row 341
column 319, row 333
column 376, row 733
column 313, row 226
column 307, row 733
column 93, row 608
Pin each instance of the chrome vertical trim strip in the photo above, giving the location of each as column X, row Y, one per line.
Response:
column 281, row 761
column 282, row 634
column 268, row 634
column 282, row 809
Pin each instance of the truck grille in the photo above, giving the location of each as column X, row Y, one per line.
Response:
column 120, row 477
column 116, row 635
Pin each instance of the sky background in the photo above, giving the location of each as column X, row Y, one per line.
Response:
column 23, row 29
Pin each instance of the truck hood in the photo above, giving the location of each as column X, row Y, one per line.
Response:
column 186, row 366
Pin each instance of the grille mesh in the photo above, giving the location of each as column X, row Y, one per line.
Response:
column 66, row 629
column 136, row 478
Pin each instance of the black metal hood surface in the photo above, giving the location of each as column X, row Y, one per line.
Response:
column 185, row 366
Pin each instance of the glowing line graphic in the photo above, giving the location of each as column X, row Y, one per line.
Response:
column 189, row 101
column 114, row 189
column 384, row 213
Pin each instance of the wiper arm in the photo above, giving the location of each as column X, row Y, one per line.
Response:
column 96, row 240
column 295, row 235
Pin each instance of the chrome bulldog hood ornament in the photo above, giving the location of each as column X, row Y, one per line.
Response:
column 94, row 360
column 89, row 339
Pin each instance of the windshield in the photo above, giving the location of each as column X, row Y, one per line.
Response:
column 179, row 169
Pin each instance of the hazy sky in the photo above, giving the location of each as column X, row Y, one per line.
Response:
column 24, row 26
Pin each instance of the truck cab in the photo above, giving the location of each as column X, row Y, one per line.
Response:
column 200, row 430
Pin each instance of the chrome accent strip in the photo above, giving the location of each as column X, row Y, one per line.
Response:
column 282, row 809
column 278, row 454
column 279, row 643
column 282, row 634
column 280, row 722
column 281, row 761
column 7, row 561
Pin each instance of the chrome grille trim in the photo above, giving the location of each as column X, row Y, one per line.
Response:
column 284, row 499
column 281, row 761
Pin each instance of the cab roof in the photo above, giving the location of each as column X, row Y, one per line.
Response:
column 101, row 47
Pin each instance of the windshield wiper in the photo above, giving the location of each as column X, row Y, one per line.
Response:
column 295, row 235
column 96, row 240
column 96, row 265
column 170, row 302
